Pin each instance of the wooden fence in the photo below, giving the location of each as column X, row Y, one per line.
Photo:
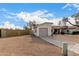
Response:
column 10, row 33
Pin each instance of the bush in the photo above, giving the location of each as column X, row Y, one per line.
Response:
column 75, row 32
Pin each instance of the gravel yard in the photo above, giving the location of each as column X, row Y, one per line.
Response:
column 27, row 46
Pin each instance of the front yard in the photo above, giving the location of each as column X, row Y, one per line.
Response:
column 27, row 45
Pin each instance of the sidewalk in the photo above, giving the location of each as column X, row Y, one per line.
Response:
column 73, row 47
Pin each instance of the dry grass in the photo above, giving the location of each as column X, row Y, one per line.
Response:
column 27, row 45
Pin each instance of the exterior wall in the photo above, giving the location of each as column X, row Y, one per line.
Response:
column 35, row 32
column 49, row 31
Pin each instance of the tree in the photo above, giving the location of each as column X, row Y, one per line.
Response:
column 32, row 24
column 76, row 16
column 25, row 27
column 64, row 20
column 67, row 20
column 59, row 23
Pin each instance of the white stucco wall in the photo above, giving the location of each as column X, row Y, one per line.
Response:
column 37, row 32
column 49, row 31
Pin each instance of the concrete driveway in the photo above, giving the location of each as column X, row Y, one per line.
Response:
column 27, row 45
column 58, row 40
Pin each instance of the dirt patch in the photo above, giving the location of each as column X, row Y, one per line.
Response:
column 27, row 45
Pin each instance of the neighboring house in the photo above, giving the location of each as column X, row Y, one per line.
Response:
column 65, row 29
column 43, row 29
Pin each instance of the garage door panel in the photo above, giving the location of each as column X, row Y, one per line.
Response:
column 43, row 32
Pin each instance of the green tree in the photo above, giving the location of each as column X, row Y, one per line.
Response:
column 76, row 16
column 32, row 24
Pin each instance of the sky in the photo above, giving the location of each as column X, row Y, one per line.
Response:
column 17, row 15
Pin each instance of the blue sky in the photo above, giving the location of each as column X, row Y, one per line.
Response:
column 9, row 11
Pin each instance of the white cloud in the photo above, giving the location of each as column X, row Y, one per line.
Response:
column 65, row 6
column 8, row 25
column 75, row 5
column 39, row 12
column 71, row 20
column 8, row 15
column 39, row 16
column 71, row 5
column 55, row 21
column 7, row 11
column 49, row 14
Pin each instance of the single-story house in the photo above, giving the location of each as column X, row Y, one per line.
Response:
column 43, row 29
column 47, row 29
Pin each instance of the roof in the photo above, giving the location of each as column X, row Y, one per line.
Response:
column 49, row 23
column 63, row 27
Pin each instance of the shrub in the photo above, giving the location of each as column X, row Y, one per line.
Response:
column 75, row 32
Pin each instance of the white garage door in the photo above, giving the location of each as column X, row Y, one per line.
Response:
column 43, row 31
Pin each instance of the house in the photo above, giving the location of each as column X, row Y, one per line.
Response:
column 64, row 29
column 43, row 29
column 55, row 26
column 47, row 29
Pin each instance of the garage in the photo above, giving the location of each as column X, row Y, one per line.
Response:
column 43, row 31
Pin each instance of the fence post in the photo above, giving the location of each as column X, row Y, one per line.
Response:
column 65, row 49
